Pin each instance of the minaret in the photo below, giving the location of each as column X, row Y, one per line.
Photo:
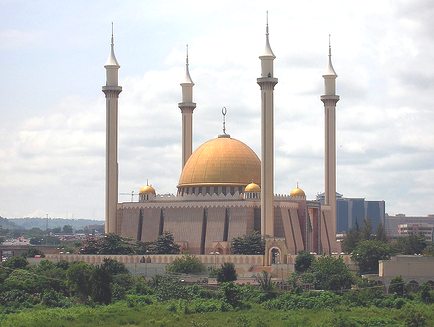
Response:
column 187, row 106
column 111, row 91
column 267, row 81
column 330, row 99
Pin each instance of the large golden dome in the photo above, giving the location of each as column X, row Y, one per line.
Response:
column 223, row 161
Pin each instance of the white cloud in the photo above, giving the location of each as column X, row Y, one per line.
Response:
column 55, row 159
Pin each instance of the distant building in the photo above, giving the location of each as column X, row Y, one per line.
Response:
column 352, row 211
column 391, row 223
column 409, row 229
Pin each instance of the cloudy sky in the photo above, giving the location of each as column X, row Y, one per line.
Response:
column 52, row 126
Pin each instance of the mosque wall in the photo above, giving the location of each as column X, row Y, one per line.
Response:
column 186, row 226
column 129, row 222
column 215, row 228
column 151, row 224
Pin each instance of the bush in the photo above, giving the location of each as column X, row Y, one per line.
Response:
column 226, row 273
column 135, row 300
column 231, row 294
column 52, row 298
column 413, row 317
column 168, row 287
column 397, row 286
column 16, row 263
column 303, row 261
column 186, row 264
column 308, row 300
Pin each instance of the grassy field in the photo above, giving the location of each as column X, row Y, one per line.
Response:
column 172, row 314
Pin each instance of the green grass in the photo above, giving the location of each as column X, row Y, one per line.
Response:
column 164, row 314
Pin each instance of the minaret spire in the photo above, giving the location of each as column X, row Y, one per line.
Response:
column 267, row 81
column 187, row 106
column 111, row 91
column 330, row 99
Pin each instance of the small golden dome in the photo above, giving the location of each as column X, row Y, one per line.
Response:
column 252, row 187
column 297, row 192
column 219, row 162
column 147, row 189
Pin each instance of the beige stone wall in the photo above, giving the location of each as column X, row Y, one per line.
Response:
column 186, row 226
column 158, row 258
column 407, row 266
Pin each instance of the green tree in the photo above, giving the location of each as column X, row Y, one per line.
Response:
column 79, row 280
column 2, row 239
column 67, row 229
column 350, row 240
column 231, row 294
column 18, row 262
column 21, row 279
column 331, row 274
column 429, row 250
column 397, row 286
column 32, row 252
column 100, row 281
column 249, row 244
column 425, row 293
column 303, row 261
column 56, row 230
column 264, row 280
column 165, row 244
column 380, row 234
column 366, row 232
column 367, row 254
column 114, row 267
column 411, row 244
column 114, row 244
column 227, row 273
column 187, row 264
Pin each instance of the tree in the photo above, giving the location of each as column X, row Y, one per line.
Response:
column 165, row 244
column 114, row 244
column 249, row 244
column 114, row 267
column 186, row 264
column 67, row 229
column 380, row 234
column 367, row 254
column 264, row 280
column 2, row 239
column 411, row 244
column 16, row 263
column 303, row 261
column 227, row 273
column 32, row 252
column 331, row 274
column 100, row 281
column 397, row 286
column 350, row 240
column 366, row 232
column 429, row 250
column 78, row 278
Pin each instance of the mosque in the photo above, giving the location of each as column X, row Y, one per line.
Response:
column 225, row 190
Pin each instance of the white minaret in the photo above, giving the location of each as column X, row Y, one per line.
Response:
column 187, row 106
column 267, row 81
column 330, row 99
column 111, row 91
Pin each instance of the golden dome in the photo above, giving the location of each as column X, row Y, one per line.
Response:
column 252, row 187
column 297, row 192
column 147, row 189
column 221, row 161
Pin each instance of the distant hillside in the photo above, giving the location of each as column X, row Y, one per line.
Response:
column 41, row 223
column 7, row 224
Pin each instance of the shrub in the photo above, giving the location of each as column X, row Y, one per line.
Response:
column 135, row 300
column 413, row 317
column 307, row 300
column 397, row 286
column 303, row 261
column 226, row 273
column 168, row 287
column 231, row 293
column 52, row 298
column 187, row 264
